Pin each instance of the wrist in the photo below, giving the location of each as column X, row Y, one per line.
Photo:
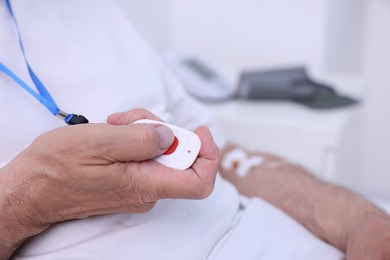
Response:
column 365, row 217
column 18, row 219
column 370, row 237
column 347, row 215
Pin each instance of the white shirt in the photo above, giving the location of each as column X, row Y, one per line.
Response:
column 94, row 63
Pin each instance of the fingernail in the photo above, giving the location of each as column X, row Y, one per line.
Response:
column 166, row 136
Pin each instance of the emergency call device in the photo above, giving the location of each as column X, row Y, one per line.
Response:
column 184, row 149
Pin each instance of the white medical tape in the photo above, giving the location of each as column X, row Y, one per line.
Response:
column 238, row 160
column 232, row 158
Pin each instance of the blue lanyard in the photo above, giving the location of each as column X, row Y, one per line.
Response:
column 43, row 94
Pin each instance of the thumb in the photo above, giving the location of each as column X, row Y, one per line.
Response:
column 135, row 142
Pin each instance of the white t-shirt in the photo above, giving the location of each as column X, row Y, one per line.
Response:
column 93, row 63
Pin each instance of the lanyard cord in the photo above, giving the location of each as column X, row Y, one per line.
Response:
column 42, row 95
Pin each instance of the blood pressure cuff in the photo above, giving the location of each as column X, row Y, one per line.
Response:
column 290, row 84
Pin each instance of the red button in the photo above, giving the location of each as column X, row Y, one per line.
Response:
column 173, row 146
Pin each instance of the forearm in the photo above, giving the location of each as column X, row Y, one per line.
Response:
column 329, row 211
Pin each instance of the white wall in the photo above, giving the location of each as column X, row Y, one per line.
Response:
column 152, row 19
column 346, row 28
column 375, row 175
column 240, row 34
column 250, row 34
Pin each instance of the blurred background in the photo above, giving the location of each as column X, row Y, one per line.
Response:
column 342, row 42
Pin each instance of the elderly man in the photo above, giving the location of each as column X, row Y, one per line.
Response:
column 93, row 191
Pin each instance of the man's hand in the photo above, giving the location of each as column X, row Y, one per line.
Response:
column 79, row 171
column 334, row 214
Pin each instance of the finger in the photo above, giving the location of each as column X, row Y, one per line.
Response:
column 135, row 142
column 125, row 118
column 194, row 183
column 198, row 181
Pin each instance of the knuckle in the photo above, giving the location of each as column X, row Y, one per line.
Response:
column 139, row 113
column 144, row 208
column 148, row 138
column 205, row 189
column 48, row 136
column 148, row 207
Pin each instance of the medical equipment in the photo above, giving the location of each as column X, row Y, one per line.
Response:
column 240, row 162
column 184, row 150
